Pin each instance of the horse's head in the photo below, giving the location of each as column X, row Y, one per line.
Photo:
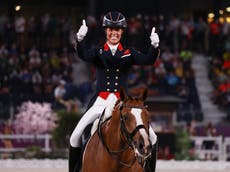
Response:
column 134, row 118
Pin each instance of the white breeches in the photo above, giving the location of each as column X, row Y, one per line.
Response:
column 90, row 116
column 93, row 113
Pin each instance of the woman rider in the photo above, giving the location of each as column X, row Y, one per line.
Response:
column 112, row 62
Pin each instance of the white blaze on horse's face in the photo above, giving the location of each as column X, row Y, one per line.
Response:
column 137, row 114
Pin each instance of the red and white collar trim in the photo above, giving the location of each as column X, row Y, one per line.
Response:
column 119, row 47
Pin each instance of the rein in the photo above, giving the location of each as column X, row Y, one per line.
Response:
column 128, row 136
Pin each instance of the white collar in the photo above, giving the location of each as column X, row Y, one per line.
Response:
column 113, row 47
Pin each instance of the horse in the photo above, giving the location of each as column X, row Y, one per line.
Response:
column 121, row 143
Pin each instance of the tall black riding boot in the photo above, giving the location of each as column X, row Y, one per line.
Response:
column 74, row 159
column 150, row 165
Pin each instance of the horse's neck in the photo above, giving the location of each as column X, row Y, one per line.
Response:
column 112, row 132
column 117, row 143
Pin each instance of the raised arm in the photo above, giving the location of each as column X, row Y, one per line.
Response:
column 153, row 53
column 84, row 52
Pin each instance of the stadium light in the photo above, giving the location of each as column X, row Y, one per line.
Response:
column 221, row 12
column 228, row 9
column 228, row 19
column 17, row 7
column 211, row 15
column 221, row 19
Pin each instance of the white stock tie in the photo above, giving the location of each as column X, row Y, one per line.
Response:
column 113, row 51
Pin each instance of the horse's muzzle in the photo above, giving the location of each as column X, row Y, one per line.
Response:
column 142, row 147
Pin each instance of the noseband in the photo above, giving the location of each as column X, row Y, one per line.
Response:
column 128, row 136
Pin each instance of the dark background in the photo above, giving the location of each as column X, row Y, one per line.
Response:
column 128, row 7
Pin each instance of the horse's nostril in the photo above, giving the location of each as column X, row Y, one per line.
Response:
column 149, row 148
column 141, row 146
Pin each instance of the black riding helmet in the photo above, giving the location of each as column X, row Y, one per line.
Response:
column 114, row 19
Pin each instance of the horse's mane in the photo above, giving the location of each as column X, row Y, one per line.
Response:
column 128, row 98
column 117, row 102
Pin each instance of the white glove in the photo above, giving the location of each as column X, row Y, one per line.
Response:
column 82, row 31
column 154, row 38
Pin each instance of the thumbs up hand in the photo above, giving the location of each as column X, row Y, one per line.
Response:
column 154, row 38
column 82, row 31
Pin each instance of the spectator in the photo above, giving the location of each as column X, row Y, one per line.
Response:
column 61, row 101
column 210, row 131
column 199, row 34
column 172, row 83
column 214, row 36
column 34, row 58
column 20, row 26
column 60, row 91
column 191, row 127
column 3, row 22
column 173, row 31
column 82, row 80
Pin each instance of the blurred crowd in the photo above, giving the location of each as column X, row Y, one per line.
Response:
column 220, row 65
column 220, row 76
column 38, row 61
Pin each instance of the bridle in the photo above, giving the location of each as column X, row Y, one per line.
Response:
column 128, row 136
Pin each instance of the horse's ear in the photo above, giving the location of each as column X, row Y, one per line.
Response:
column 144, row 94
column 123, row 95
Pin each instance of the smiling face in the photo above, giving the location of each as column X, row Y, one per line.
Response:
column 113, row 35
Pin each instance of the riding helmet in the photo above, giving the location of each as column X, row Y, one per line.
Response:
column 114, row 19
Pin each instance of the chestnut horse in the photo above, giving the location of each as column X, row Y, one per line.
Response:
column 121, row 143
